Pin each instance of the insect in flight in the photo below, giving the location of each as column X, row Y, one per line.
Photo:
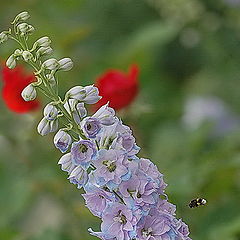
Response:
column 197, row 202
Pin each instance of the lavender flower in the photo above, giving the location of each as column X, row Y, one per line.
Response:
column 109, row 167
column 160, row 225
column 120, row 188
column 138, row 191
column 118, row 223
column 97, row 200
column 91, row 127
column 83, row 152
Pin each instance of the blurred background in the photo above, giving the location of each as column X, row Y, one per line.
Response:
column 186, row 116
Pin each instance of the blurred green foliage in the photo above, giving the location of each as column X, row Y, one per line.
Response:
column 184, row 48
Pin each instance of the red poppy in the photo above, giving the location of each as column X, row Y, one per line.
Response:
column 14, row 81
column 118, row 88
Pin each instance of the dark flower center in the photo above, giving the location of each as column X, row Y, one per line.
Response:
column 139, row 195
column 89, row 126
column 121, row 218
column 83, row 148
column 146, row 232
column 111, row 166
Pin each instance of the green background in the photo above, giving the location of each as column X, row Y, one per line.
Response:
column 185, row 49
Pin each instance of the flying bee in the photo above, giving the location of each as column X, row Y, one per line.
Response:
column 197, row 202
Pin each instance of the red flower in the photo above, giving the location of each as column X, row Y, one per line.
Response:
column 118, row 88
column 14, row 81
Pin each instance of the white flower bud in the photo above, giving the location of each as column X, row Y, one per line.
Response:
column 66, row 64
column 79, row 113
column 92, row 95
column 18, row 52
column 31, row 29
column 29, row 93
column 23, row 16
column 72, row 103
column 44, row 51
column 54, row 125
column 77, row 92
column 66, row 163
column 106, row 115
column 44, row 127
column 51, row 64
column 3, row 37
column 62, row 140
column 11, row 62
column 77, row 109
column 42, row 42
column 82, row 111
column 50, row 112
column 51, row 79
column 23, row 28
column 27, row 56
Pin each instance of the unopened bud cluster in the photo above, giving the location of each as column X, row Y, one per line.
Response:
column 35, row 56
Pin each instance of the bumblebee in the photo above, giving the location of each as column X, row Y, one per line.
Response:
column 197, row 202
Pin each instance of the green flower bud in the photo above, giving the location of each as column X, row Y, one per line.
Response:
column 29, row 93
column 11, row 62
column 51, row 64
column 3, row 37
column 27, row 56
column 66, row 64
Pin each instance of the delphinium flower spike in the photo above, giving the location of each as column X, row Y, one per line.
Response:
column 100, row 152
